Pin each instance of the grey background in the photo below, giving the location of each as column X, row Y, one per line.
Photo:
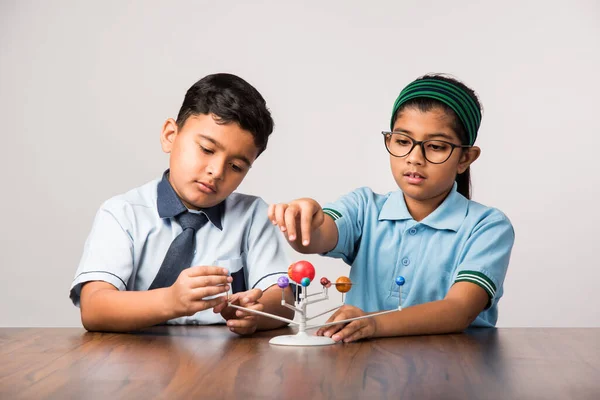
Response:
column 85, row 87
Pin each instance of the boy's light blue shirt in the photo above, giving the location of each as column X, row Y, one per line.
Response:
column 461, row 240
column 129, row 240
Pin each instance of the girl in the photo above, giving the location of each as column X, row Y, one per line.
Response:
column 452, row 251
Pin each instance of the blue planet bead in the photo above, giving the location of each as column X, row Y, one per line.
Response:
column 283, row 282
column 305, row 281
column 400, row 281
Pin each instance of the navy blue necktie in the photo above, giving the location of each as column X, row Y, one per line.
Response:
column 181, row 252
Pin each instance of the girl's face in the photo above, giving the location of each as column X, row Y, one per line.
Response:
column 422, row 182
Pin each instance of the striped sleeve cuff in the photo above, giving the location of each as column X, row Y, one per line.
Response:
column 334, row 214
column 479, row 279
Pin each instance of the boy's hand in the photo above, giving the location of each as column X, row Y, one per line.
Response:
column 355, row 330
column 240, row 321
column 186, row 295
column 305, row 213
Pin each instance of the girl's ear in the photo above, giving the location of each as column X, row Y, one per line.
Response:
column 467, row 158
column 168, row 134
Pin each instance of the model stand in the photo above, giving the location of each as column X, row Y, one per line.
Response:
column 302, row 273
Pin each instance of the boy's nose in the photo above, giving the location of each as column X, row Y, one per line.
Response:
column 215, row 170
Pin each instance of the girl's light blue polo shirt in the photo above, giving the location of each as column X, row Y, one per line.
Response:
column 129, row 240
column 461, row 240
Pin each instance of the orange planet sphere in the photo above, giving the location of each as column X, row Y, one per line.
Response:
column 343, row 284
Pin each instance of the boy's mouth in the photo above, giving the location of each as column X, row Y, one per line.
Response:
column 206, row 187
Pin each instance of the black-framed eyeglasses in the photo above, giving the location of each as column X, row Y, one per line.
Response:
column 435, row 151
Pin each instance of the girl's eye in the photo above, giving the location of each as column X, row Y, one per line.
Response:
column 403, row 142
column 206, row 151
column 437, row 146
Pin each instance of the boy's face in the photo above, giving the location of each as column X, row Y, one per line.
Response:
column 420, row 180
column 208, row 160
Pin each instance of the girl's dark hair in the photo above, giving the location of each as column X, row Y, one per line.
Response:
column 425, row 104
column 230, row 99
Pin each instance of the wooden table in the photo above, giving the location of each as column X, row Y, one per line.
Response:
column 211, row 362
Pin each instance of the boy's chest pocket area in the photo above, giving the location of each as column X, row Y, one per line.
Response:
column 232, row 264
column 235, row 266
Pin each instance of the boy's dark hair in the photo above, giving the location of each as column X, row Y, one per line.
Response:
column 425, row 104
column 230, row 99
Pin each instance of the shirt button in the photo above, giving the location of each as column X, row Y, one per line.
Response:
column 405, row 261
column 413, row 231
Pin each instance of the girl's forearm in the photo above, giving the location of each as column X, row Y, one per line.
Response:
column 436, row 317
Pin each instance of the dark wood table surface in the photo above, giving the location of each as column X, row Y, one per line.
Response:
column 211, row 362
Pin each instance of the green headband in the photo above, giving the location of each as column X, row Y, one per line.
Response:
column 452, row 95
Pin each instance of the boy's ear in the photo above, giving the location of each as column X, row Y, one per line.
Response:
column 168, row 134
column 467, row 158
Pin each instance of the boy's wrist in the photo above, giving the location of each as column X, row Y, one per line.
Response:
column 168, row 309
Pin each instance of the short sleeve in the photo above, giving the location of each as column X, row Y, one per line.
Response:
column 266, row 259
column 107, row 255
column 486, row 255
column 348, row 214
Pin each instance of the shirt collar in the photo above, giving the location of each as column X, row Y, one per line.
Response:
column 448, row 216
column 169, row 204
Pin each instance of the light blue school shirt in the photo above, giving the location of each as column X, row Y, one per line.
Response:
column 129, row 241
column 461, row 240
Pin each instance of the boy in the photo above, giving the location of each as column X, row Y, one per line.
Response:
column 163, row 252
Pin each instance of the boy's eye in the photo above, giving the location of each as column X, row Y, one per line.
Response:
column 403, row 142
column 207, row 151
column 236, row 168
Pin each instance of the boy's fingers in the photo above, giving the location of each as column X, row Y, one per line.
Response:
column 251, row 296
column 206, row 281
column 201, row 305
column 219, row 307
column 241, row 323
column 202, row 292
column 290, row 221
column 235, row 298
column 243, row 313
column 243, row 331
column 202, row 270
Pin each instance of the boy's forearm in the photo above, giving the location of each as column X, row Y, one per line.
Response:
column 437, row 317
column 122, row 311
column 271, row 300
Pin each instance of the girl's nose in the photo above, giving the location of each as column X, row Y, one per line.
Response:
column 416, row 156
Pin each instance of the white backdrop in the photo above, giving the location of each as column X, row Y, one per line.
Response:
column 85, row 87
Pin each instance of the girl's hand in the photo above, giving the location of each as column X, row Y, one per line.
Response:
column 352, row 331
column 304, row 213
